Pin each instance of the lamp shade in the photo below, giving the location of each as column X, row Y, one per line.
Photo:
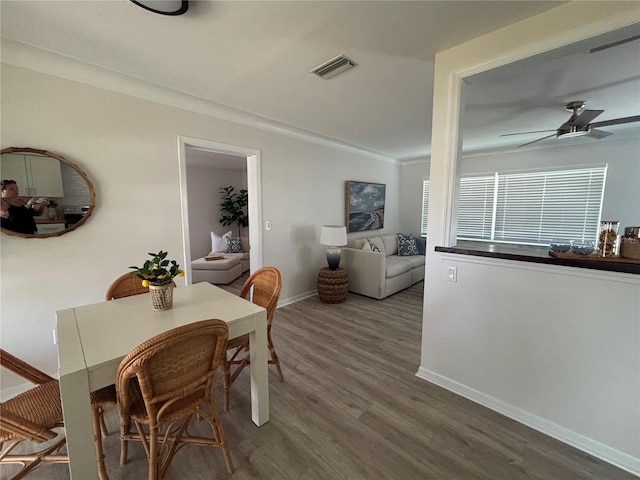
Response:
column 333, row 235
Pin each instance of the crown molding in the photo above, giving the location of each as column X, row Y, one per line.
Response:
column 34, row 58
column 415, row 161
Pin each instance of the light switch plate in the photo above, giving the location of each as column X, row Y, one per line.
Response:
column 452, row 275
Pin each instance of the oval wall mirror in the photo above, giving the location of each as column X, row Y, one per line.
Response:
column 45, row 189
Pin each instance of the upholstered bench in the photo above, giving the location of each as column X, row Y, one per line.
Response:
column 219, row 272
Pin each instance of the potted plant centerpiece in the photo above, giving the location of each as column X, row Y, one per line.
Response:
column 158, row 274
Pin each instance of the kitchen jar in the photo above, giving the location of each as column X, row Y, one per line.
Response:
column 630, row 243
column 608, row 238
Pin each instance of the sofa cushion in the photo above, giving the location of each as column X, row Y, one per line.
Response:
column 414, row 260
column 242, row 256
column 390, row 244
column 396, row 266
column 377, row 241
column 225, row 263
column 357, row 243
column 366, row 246
column 407, row 245
column 422, row 245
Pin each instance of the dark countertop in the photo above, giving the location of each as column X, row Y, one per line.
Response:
column 526, row 253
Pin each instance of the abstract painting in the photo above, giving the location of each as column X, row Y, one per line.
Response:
column 364, row 206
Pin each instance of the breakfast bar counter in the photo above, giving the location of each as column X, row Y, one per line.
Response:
column 527, row 253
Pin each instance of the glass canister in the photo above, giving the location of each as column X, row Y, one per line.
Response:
column 607, row 240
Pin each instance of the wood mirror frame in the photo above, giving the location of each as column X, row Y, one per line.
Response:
column 91, row 192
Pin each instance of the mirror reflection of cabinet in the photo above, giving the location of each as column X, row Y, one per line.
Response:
column 36, row 175
column 40, row 173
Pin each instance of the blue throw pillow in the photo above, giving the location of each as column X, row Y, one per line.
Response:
column 422, row 245
column 234, row 245
column 407, row 245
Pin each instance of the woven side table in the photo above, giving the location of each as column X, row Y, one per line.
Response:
column 333, row 285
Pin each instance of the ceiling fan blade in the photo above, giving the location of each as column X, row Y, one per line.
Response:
column 597, row 134
column 538, row 140
column 616, row 121
column 585, row 117
column 525, row 133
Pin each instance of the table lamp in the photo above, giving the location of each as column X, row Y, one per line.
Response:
column 333, row 236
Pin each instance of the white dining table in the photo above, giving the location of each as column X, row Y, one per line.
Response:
column 93, row 339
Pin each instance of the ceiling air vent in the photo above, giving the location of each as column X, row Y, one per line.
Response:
column 333, row 67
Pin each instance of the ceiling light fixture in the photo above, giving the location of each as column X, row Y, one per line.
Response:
column 164, row 7
column 573, row 131
column 333, row 67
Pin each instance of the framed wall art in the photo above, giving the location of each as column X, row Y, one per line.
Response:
column 364, row 206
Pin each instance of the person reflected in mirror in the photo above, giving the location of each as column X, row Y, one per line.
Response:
column 15, row 213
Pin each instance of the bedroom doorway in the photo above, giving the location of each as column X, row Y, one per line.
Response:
column 206, row 166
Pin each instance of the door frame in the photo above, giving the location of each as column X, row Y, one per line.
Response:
column 254, row 187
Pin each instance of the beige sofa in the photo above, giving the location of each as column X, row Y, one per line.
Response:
column 380, row 274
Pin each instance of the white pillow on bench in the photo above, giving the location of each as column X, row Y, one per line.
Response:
column 219, row 244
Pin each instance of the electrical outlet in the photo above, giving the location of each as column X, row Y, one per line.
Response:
column 452, row 275
column 267, row 225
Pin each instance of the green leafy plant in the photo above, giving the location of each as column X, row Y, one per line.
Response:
column 233, row 207
column 158, row 271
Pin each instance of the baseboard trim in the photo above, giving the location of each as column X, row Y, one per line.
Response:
column 592, row 447
column 296, row 298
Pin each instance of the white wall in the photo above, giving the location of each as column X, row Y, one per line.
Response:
column 203, row 188
column 557, row 348
column 412, row 174
column 128, row 148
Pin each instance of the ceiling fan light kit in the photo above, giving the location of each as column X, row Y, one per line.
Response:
column 573, row 131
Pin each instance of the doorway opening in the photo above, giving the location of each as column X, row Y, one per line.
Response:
column 227, row 163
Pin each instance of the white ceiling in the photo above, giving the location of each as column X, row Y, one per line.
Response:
column 256, row 57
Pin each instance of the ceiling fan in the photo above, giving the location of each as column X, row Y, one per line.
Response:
column 579, row 124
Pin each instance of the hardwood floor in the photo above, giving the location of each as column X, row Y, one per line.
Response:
column 352, row 408
column 235, row 287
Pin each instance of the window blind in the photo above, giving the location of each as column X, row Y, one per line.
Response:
column 425, row 208
column 528, row 207
column 536, row 207
column 476, row 200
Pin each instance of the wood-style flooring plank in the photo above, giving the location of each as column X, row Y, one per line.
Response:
column 352, row 408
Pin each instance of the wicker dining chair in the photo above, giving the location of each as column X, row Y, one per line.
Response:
column 264, row 285
column 125, row 285
column 31, row 416
column 162, row 384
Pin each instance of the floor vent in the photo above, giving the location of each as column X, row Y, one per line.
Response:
column 333, row 67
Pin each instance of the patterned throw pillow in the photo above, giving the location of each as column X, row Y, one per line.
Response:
column 234, row 245
column 407, row 245
column 373, row 246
